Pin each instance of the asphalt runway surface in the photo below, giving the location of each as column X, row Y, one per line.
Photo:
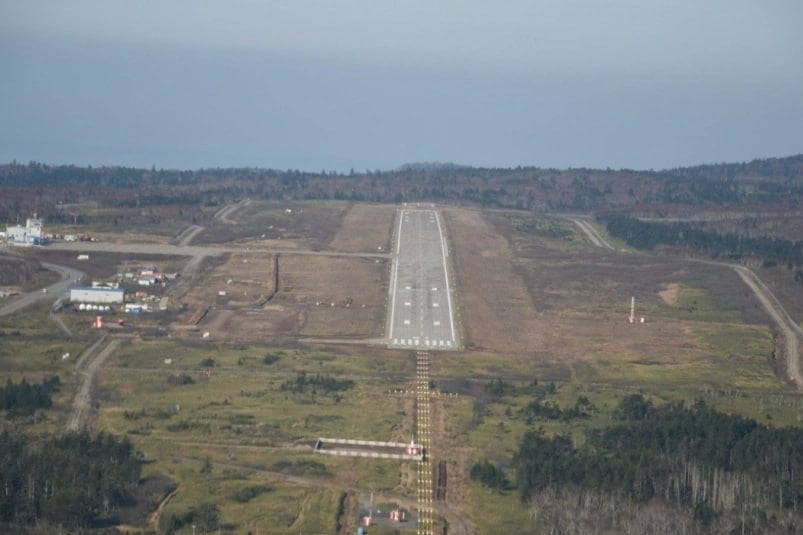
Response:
column 421, row 313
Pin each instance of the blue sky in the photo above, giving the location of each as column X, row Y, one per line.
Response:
column 375, row 84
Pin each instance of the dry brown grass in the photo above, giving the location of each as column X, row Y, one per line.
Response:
column 308, row 225
column 670, row 294
column 365, row 228
column 318, row 296
column 492, row 298
column 342, row 297
column 245, row 279
column 550, row 303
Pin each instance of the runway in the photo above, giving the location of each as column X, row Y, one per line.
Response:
column 421, row 311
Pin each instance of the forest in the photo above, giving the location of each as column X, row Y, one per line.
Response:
column 713, row 465
column 649, row 235
column 72, row 481
column 51, row 189
column 24, row 398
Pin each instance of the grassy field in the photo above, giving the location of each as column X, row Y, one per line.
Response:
column 540, row 308
column 237, row 414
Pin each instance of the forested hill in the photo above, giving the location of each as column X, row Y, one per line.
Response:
column 777, row 181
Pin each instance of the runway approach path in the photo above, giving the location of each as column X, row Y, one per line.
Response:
column 421, row 313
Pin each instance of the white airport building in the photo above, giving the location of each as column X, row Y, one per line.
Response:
column 87, row 294
column 30, row 234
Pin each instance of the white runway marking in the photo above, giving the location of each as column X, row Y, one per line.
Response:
column 420, row 269
column 394, row 277
column 446, row 274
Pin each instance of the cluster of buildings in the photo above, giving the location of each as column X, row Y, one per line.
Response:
column 150, row 277
column 32, row 233
column 102, row 295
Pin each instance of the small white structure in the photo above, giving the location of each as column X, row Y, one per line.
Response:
column 87, row 294
column 632, row 317
column 136, row 308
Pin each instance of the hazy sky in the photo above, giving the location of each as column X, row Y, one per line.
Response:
column 340, row 84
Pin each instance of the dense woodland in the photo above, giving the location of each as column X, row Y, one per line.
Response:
column 51, row 189
column 72, row 481
column 723, row 471
column 24, row 398
column 649, row 235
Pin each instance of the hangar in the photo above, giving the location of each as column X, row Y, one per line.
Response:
column 87, row 294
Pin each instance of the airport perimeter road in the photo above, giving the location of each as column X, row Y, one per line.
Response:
column 69, row 277
column 191, row 250
column 420, row 313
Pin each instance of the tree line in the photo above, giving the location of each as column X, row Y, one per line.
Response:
column 24, row 398
column 526, row 188
column 649, row 235
column 699, row 459
column 74, row 480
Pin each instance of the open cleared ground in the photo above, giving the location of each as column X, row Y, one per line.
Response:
column 237, row 280
column 365, row 228
column 317, row 296
column 101, row 265
column 492, row 299
column 305, row 225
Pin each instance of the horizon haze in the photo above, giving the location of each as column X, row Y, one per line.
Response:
column 364, row 85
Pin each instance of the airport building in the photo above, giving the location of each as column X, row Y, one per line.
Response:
column 30, row 234
column 86, row 294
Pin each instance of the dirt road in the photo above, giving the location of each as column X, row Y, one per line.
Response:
column 592, row 233
column 791, row 331
column 224, row 213
column 59, row 321
column 82, row 403
column 188, row 234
